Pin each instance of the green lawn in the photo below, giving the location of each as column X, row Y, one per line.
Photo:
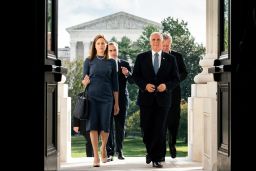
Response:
column 133, row 146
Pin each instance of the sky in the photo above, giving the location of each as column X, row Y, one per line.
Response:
column 73, row 12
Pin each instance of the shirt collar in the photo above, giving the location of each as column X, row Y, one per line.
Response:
column 117, row 60
column 159, row 52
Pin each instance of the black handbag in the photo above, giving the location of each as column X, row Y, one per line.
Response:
column 81, row 110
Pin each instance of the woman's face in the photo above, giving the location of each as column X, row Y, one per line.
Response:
column 100, row 46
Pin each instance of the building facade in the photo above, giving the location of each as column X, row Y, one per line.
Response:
column 64, row 53
column 115, row 25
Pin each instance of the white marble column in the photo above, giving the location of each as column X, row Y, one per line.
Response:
column 72, row 50
column 64, row 122
column 202, row 110
column 86, row 49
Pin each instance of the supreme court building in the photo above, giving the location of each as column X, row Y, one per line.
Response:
column 115, row 25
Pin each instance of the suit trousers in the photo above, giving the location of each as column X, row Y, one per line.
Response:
column 116, row 135
column 173, row 119
column 153, row 124
column 86, row 134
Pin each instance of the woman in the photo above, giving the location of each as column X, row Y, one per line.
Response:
column 101, row 78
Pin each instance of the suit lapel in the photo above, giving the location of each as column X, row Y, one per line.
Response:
column 119, row 65
column 149, row 62
column 119, row 68
column 163, row 63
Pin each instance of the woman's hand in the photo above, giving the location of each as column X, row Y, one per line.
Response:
column 116, row 109
column 86, row 80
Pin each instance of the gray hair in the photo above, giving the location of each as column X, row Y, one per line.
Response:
column 161, row 36
column 114, row 43
column 166, row 36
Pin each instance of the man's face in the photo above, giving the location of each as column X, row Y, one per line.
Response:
column 156, row 42
column 112, row 51
column 166, row 45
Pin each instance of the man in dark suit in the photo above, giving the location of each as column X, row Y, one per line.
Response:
column 79, row 126
column 173, row 118
column 156, row 74
column 116, row 136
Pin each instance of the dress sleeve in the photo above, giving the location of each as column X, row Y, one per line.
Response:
column 86, row 68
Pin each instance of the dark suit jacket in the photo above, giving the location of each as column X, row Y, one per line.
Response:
column 122, row 80
column 143, row 74
column 181, row 65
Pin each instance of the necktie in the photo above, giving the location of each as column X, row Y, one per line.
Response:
column 156, row 63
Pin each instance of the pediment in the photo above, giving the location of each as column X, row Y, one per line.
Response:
column 120, row 20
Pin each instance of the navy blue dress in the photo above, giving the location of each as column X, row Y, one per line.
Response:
column 103, row 82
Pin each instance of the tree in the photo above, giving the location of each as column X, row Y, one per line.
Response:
column 184, row 43
column 113, row 39
column 124, row 47
column 74, row 78
column 142, row 44
column 133, row 124
column 183, row 126
column 127, row 51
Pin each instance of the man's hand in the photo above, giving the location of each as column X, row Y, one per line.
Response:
column 150, row 88
column 76, row 129
column 161, row 88
column 125, row 71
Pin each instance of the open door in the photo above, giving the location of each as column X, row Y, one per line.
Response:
column 47, row 72
column 53, row 73
column 222, row 74
column 31, row 101
column 52, row 76
column 237, row 26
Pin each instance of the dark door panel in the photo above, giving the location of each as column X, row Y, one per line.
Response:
column 222, row 71
column 53, row 72
column 237, row 27
column 51, row 147
column 222, row 74
column 224, row 124
column 52, row 76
